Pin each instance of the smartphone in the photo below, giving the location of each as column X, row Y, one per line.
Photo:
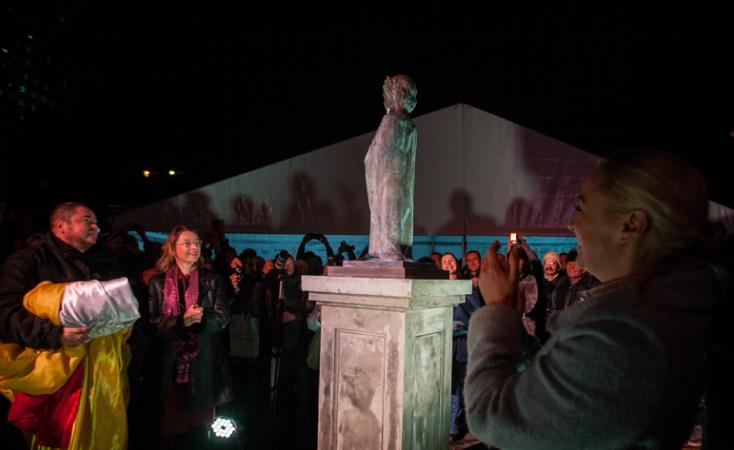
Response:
column 513, row 237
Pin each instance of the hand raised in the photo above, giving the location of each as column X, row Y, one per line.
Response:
column 268, row 266
column 497, row 281
column 235, row 280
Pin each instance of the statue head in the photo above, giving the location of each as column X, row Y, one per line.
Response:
column 399, row 93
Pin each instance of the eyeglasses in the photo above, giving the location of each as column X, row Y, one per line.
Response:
column 188, row 243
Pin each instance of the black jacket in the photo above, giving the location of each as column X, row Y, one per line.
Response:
column 210, row 383
column 54, row 261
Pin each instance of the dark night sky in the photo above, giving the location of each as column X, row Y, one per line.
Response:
column 214, row 91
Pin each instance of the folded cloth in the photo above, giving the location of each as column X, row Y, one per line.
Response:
column 102, row 306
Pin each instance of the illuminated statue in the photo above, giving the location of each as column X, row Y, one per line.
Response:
column 390, row 173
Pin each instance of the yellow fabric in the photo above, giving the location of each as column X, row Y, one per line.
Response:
column 35, row 371
column 44, row 301
column 101, row 420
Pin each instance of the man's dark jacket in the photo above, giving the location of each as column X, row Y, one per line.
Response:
column 55, row 261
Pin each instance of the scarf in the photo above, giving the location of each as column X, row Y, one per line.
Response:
column 171, row 305
column 184, row 351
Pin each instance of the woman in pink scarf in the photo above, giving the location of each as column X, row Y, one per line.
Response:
column 189, row 312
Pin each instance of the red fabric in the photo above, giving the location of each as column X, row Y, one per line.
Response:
column 50, row 417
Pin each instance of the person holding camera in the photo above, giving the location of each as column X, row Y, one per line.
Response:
column 289, row 341
column 623, row 369
column 345, row 248
column 244, row 306
column 302, row 254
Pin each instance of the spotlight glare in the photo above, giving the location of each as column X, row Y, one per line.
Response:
column 146, row 173
column 223, row 427
column 171, row 172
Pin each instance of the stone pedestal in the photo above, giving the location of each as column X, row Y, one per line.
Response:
column 388, row 269
column 385, row 368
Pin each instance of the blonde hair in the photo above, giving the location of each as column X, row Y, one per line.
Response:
column 670, row 191
column 168, row 250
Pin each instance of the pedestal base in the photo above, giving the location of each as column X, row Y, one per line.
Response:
column 385, row 366
column 374, row 268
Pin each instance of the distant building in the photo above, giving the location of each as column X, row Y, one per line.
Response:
column 40, row 83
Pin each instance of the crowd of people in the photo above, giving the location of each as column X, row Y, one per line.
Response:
column 220, row 332
column 619, row 330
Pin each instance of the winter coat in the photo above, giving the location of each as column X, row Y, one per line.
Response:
column 210, row 383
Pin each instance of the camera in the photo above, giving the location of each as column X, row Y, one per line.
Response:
column 513, row 237
column 238, row 270
column 280, row 273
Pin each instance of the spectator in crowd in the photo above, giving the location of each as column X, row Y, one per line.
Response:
column 289, row 339
column 551, row 271
column 563, row 259
column 436, row 257
column 574, row 287
column 527, row 290
column 628, row 359
column 472, row 262
column 461, row 315
column 450, row 265
column 189, row 312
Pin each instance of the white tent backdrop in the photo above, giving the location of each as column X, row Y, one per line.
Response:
column 476, row 174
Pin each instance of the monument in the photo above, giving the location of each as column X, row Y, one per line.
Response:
column 390, row 173
column 386, row 323
column 390, row 178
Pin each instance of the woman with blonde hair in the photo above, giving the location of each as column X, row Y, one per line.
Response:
column 623, row 369
column 188, row 311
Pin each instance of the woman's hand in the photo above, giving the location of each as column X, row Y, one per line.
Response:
column 498, row 281
column 193, row 315
column 235, row 279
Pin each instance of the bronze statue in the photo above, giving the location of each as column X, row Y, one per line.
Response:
column 390, row 173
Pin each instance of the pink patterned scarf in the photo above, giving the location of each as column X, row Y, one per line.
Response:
column 184, row 351
column 171, row 306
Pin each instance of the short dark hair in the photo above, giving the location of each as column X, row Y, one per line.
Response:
column 63, row 212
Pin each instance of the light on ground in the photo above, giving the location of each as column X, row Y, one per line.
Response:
column 223, row 427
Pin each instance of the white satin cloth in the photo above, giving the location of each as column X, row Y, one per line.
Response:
column 102, row 306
